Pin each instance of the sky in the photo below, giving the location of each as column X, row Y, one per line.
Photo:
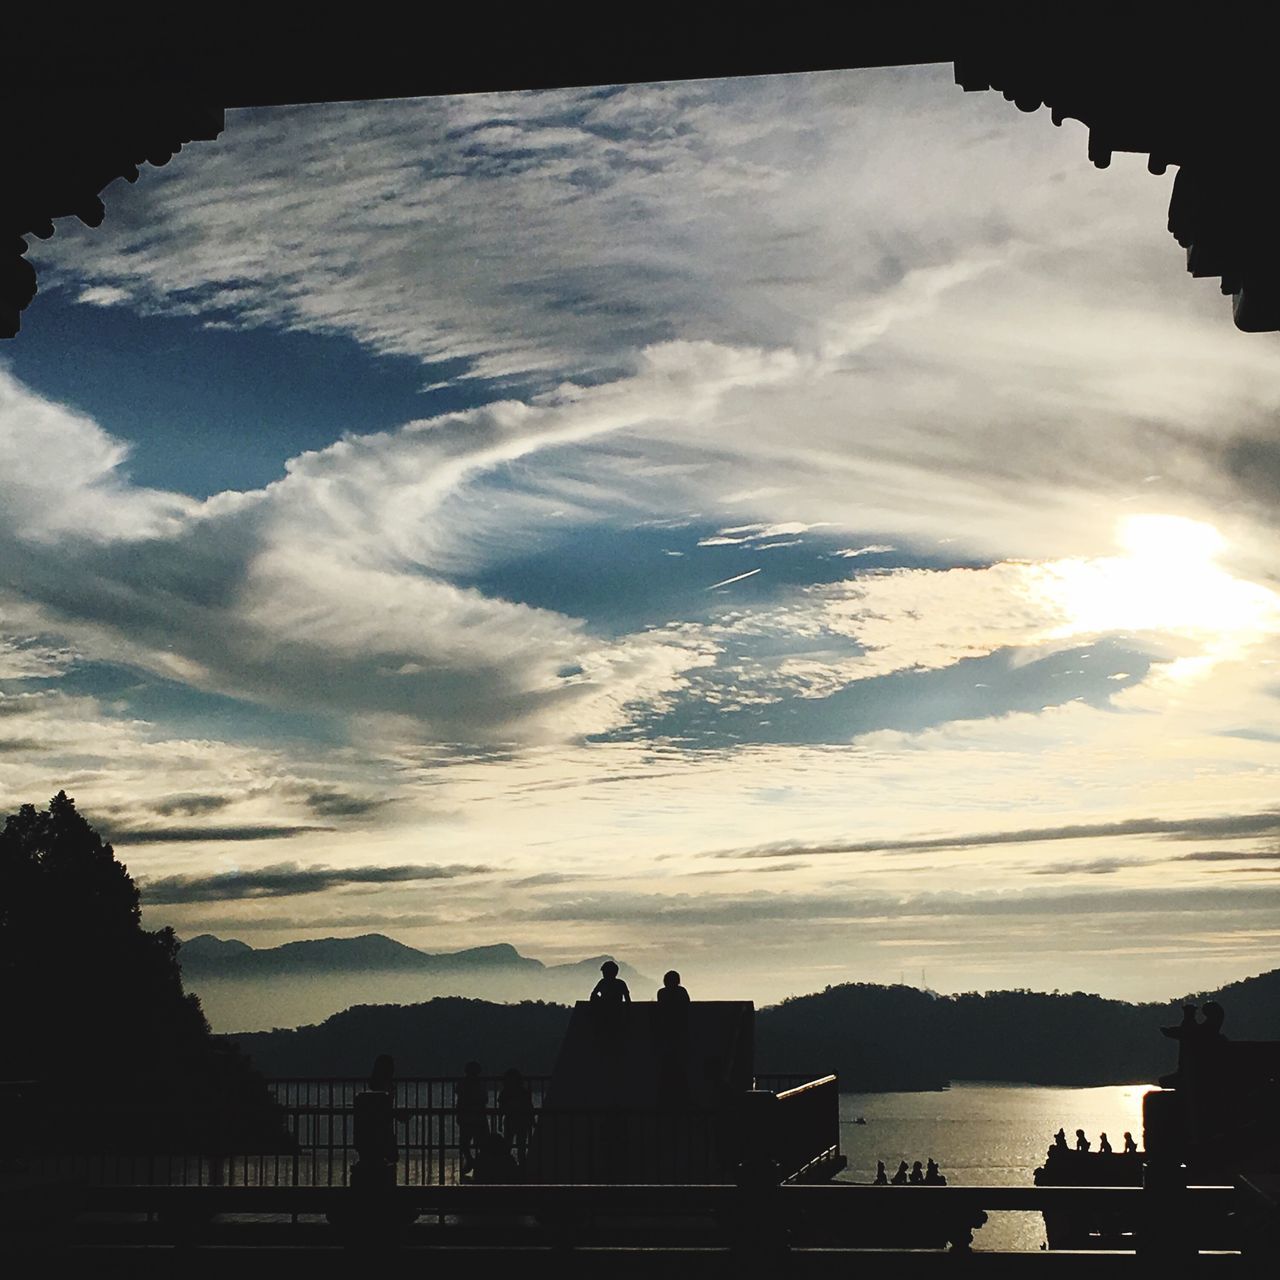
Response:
column 794, row 530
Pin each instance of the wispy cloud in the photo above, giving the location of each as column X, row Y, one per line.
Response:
column 191, row 805
column 824, row 909
column 333, row 803
column 125, row 837
column 872, row 549
column 1231, row 826
column 1231, row 855
column 288, row 879
column 1090, row 867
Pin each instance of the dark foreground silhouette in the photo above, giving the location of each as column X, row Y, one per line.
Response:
column 95, row 1020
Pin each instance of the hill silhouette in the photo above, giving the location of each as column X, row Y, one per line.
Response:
column 887, row 1037
column 437, row 1038
column 878, row 1038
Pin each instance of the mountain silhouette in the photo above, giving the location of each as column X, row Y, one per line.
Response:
column 208, row 954
column 436, row 1038
column 246, row 988
column 208, row 949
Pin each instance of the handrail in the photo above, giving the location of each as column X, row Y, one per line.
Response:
column 807, row 1087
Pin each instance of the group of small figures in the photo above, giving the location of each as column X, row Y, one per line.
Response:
column 1082, row 1143
column 918, row 1176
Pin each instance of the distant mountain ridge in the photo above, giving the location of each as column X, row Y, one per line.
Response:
column 229, row 957
column 244, row 987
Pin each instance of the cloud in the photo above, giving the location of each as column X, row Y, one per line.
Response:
column 828, row 908
column 873, row 549
column 1090, row 867
column 1230, row 855
column 29, row 657
column 546, row 878
column 1231, row 826
column 191, row 805
column 57, row 466
column 103, row 295
column 126, row 837
column 288, row 879
column 304, row 923
column 266, row 597
column 758, row 536
column 333, row 803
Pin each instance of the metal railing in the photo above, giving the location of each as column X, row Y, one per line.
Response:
column 315, row 1143
column 808, row 1130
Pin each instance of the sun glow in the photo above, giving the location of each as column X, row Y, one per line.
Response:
column 1167, row 582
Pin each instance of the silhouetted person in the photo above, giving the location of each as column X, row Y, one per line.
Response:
column 1060, row 1140
column 374, row 1128
column 1130, row 1147
column 471, row 1106
column 1082, row 1143
column 1104, row 1146
column 1211, row 1028
column 672, row 994
column 917, row 1174
column 1201, row 1077
column 933, row 1176
column 899, row 1179
column 671, row 1031
column 382, row 1076
column 882, row 1178
column 610, row 990
column 515, row 1112
column 1196, row 1043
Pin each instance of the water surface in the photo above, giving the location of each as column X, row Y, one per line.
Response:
column 983, row 1135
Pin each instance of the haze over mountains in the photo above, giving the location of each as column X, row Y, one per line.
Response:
column 244, row 988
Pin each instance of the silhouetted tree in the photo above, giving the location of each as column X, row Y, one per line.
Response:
column 91, row 1003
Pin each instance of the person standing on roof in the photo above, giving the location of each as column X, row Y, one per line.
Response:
column 610, row 989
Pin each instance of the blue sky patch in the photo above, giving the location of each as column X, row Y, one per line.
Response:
column 208, row 409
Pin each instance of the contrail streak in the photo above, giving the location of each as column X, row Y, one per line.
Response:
column 750, row 573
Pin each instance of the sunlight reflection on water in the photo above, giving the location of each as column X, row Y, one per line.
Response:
column 983, row 1135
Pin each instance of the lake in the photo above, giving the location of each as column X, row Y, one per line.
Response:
column 983, row 1135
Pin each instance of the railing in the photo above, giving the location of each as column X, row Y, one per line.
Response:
column 319, row 1116
column 807, row 1144
column 315, row 1146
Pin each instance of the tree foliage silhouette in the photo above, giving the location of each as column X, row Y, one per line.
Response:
column 90, row 997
